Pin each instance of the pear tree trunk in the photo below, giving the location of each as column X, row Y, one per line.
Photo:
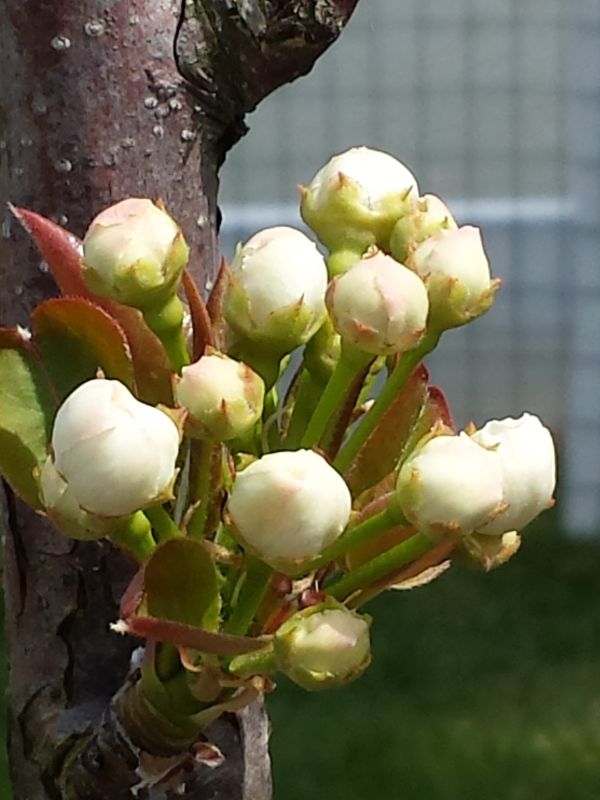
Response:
column 99, row 100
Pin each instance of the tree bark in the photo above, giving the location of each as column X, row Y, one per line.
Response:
column 99, row 100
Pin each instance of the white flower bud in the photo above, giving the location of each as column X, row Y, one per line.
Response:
column 224, row 398
column 116, row 454
column 379, row 306
column 357, row 197
column 323, row 646
column 429, row 216
column 134, row 252
column 287, row 507
column 276, row 293
column 450, row 484
column 528, row 461
column 456, row 271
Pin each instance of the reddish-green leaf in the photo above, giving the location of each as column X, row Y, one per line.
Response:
column 27, row 407
column 181, row 635
column 202, row 326
column 59, row 248
column 214, row 305
column 383, row 448
column 76, row 338
column 181, row 584
column 151, row 366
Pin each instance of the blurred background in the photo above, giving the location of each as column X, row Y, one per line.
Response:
column 481, row 686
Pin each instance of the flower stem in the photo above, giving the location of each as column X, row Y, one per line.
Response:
column 352, row 361
column 256, row 582
column 166, row 321
column 340, row 261
column 394, row 383
column 135, row 536
column 162, row 524
column 367, row 530
column 309, row 392
column 203, row 455
column 380, row 566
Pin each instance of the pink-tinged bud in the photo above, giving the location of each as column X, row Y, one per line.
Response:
column 287, row 507
column 354, row 201
column 223, row 397
column 455, row 269
column 429, row 216
column 116, row 454
column 379, row 306
column 323, row 646
column 276, row 293
column 527, row 458
column 134, row 252
column 450, row 485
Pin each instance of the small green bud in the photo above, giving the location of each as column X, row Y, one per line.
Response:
column 429, row 216
column 323, row 646
column 224, row 398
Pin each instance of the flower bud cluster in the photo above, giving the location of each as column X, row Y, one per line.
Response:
column 494, row 481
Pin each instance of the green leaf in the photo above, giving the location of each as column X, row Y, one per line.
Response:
column 181, row 584
column 381, row 451
column 75, row 338
column 27, row 407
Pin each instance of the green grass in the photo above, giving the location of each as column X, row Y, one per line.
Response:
column 483, row 687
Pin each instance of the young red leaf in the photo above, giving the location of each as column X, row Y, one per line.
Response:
column 214, row 305
column 181, row 635
column 383, row 448
column 75, row 338
column 59, row 248
column 202, row 325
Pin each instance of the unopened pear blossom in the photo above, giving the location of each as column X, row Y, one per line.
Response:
column 355, row 200
column 450, row 484
column 526, row 454
column 134, row 252
column 287, row 507
column 116, row 454
column 224, row 397
column 276, row 292
column 378, row 305
column 454, row 266
column 323, row 646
